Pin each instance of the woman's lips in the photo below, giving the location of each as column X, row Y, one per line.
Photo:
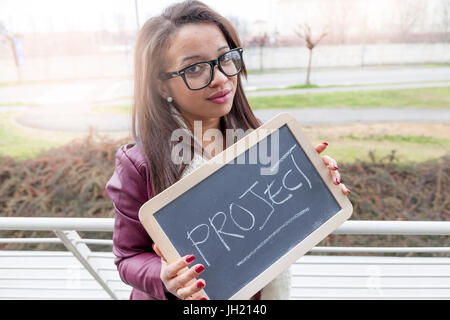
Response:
column 221, row 99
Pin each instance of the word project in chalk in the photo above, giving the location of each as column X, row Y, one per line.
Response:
column 245, row 215
column 246, row 227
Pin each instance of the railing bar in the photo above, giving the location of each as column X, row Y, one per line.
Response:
column 51, row 298
column 348, row 227
column 59, row 224
column 374, row 262
column 380, row 249
column 107, row 269
column 369, row 287
column 42, row 267
column 370, row 297
column 49, row 254
column 394, row 227
column 30, row 240
column 443, row 275
column 102, row 256
column 95, row 241
column 82, row 253
column 55, row 288
column 46, row 279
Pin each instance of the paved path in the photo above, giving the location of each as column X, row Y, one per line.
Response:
column 112, row 123
column 398, row 86
column 84, row 91
column 76, row 117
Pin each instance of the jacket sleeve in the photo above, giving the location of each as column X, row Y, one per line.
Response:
column 138, row 265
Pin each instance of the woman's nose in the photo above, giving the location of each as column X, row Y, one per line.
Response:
column 218, row 77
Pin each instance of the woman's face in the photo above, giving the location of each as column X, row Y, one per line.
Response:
column 194, row 43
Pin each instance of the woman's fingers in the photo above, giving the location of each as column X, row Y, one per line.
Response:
column 173, row 268
column 191, row 289
column 156, row 249
column 334, row 172
column 184, row 278
column 320, row 147
column 345, row 189
column 330, row 162
column 335, row 176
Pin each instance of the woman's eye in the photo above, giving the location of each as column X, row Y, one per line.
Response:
column 227, row 57
column 196, row 69
column 192, row 69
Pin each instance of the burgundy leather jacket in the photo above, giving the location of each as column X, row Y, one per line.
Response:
column 138, row 264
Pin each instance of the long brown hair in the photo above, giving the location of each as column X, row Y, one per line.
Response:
column 152, row 120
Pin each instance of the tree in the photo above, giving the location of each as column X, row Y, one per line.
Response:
column 304, row 32
column 444, row 11
column 262, row 41
column 341, row 16
column 409, row 14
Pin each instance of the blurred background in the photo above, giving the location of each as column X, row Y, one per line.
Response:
column 370, row 77
column 67, row 66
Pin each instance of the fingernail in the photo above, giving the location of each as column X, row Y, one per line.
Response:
column 199, row 269
column 325, row 143
column 200, row 284
column 190, row 258
column 337, row 181
column 203, row 298
column 348, row 191
column 153, row 247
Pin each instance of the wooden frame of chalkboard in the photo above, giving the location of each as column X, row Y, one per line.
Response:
column 344, row 208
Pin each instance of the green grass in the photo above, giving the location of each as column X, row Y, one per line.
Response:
column 17, row 144
column 121, row 109
column 408, row 148
column 303, row 86
column 431, row 98
column 422, row 140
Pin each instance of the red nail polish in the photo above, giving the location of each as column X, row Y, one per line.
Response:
column 325, row 143
column 337, row 181
column 199, row 269
column 190, row 258
column 203, row 298
column 200, row 284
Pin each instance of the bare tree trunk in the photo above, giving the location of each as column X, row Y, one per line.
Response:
column 308, row 71
column 261, row 55
column 305, row 33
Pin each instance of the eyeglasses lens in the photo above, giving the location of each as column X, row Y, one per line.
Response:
column 199, row 75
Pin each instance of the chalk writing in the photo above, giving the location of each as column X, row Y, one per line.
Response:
column 276, row 192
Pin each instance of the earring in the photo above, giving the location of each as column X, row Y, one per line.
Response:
column 169, row 99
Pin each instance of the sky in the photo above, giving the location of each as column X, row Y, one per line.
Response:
column 90, row 15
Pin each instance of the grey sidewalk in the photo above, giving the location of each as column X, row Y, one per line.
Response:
column 332, row 116
column 375, row 87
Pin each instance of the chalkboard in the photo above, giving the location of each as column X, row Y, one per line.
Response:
column 247, row 219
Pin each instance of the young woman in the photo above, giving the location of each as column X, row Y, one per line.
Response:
column 188, row 67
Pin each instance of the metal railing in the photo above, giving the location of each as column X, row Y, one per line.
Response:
column 66, row 233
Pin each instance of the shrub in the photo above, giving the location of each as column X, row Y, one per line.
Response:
column 70, row 181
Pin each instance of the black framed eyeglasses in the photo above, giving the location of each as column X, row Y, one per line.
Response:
column 200, row 74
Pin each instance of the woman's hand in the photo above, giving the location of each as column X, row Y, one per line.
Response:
column 333, row 167
column 179, row 279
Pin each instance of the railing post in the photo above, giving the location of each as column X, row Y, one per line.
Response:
column 81, row 251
